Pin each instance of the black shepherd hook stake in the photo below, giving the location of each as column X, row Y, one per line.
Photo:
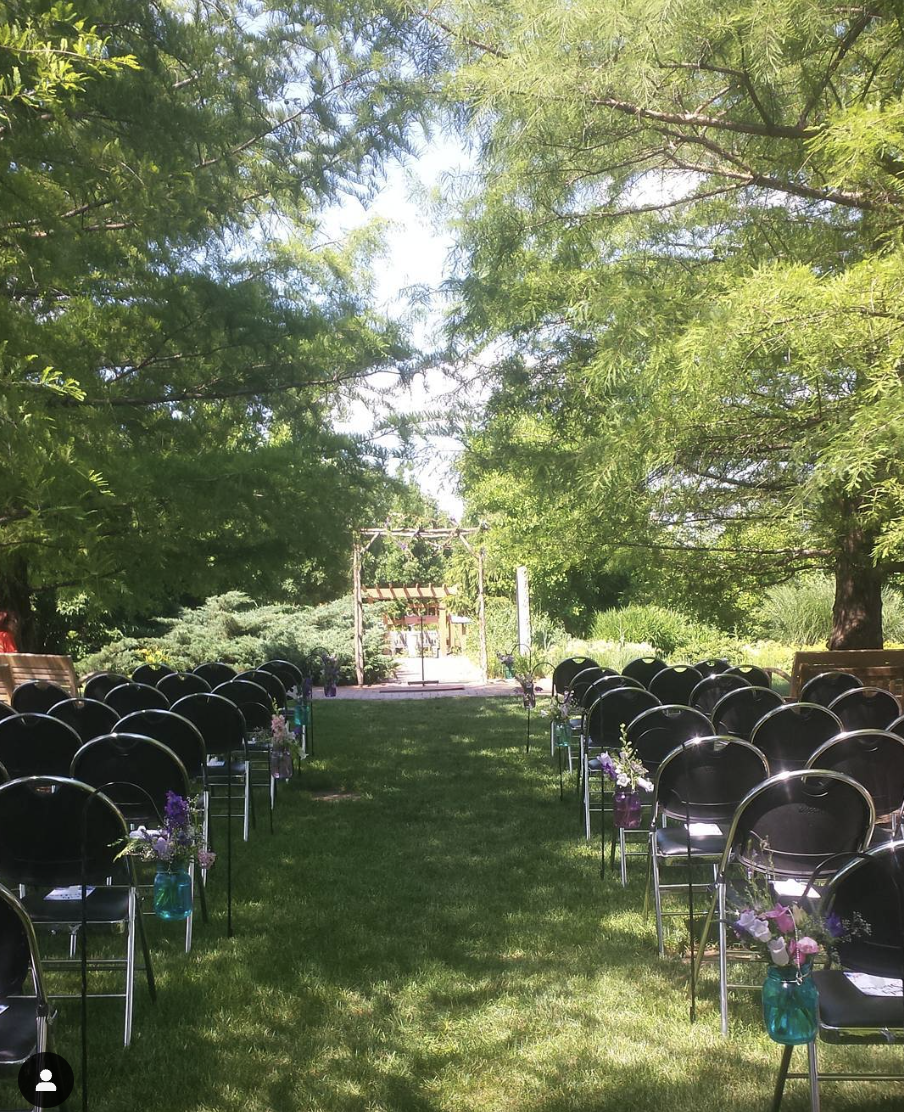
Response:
column 83, row 947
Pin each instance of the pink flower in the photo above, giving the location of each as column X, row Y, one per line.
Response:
column 784, row 920
column 802, row 948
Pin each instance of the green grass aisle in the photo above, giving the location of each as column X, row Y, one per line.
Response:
column 441, row 943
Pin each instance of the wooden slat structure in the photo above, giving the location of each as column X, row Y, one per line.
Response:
column 456, row 534
column 875, row 667
column 407, row 594
column 16, row 668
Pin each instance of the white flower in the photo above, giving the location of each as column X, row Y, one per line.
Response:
column 778, row 951
column 761, row 932
column 644, row 785
column 622, row 780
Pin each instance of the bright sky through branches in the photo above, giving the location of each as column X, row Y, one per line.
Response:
column 417, row 250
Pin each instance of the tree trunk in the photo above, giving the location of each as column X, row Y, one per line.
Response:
column 857, row 612
column 15, row 596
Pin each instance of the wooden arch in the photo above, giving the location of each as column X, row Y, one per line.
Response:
column 455, row 534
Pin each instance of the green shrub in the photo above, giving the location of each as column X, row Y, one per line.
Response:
column 234, row 629
column 801, row 611
column 502, row 633
column 666, row 631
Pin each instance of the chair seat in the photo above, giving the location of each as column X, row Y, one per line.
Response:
column 842, row 1005
column 671, row 841
column 18, row 1031
column 104, row 905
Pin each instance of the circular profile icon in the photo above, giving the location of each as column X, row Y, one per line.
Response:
column 45, row 1080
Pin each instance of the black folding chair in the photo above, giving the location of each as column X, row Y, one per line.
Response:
column 37, row 745
column 37, row 697
column 88, row 717
column 697, row 787
column 673, row 685
column 827, row 686
column 866, row 708
column 272, row 684
column 712, row 688
column 176, row 685
column 25, row 1019
column 870, row 886
column 602, row 731
column 790, row 734
column 787, row 828
column 222, row 726
column 136, row 772
column 644, row 668
column 6, row 711
column 756, row 677
column 738, row 712
column 151, row 674
column 256, row 705
column 60, row 834
column 713, row 666
column 101, row 683
column 875, row 759
column 215, row 672
column 129, row 697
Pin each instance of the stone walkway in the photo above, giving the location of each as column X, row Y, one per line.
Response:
column 446, row 676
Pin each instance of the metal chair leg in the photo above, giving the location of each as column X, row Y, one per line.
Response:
column 780, row 1080
column 723, row 960
column 657, row 902
column 813, row 1070
column 130, row 967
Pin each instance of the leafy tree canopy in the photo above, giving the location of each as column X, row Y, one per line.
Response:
column 174, row 327
column 687, row 233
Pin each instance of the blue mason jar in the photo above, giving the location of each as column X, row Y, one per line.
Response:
column 790, row 1004
column 172, row 893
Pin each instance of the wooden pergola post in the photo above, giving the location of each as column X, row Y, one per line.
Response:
column 359, row 616
column 481, row 614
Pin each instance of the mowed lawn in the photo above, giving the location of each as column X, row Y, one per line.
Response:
column 440, row 941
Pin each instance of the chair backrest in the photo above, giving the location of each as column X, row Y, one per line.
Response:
column 825, row 687
column 151, row 674
column 675, row 683
column 874, row 758
column 866, row 708
column 712, row 688
column 37, row 745
column 88, row 717
column 101, row 683
column 290, row 674
column 565, row 671
column 756, row 677
column 607, row 683
column 135, row 772
column 48, row 822
column 243, row 693
column 614, row 709
column 6, row 711
column 37, row 697
column 654, row 733
column 872, row 887
column 714, row 666
column 705, row 778
column 219, row 721
column 798, row 822
column 644, row 668
column 273, row 685
column 176, row 684
column 172, row 730
column 738, row 712
column 19, row 954
column 790, row 734
column 129, row 697
column 582, row 682
column 215, row 672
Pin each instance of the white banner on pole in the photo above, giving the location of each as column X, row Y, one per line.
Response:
column 523, row 599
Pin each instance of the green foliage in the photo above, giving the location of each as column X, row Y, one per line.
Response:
column 665, row 630
column 234, row 629
column 800, row 611
column 502, row 633
column 176, row 330
column 685, row 237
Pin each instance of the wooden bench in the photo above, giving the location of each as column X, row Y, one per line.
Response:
column 875, row 667
column 16, row 668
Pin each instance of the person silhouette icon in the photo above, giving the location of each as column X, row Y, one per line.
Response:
column 46, row 1085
